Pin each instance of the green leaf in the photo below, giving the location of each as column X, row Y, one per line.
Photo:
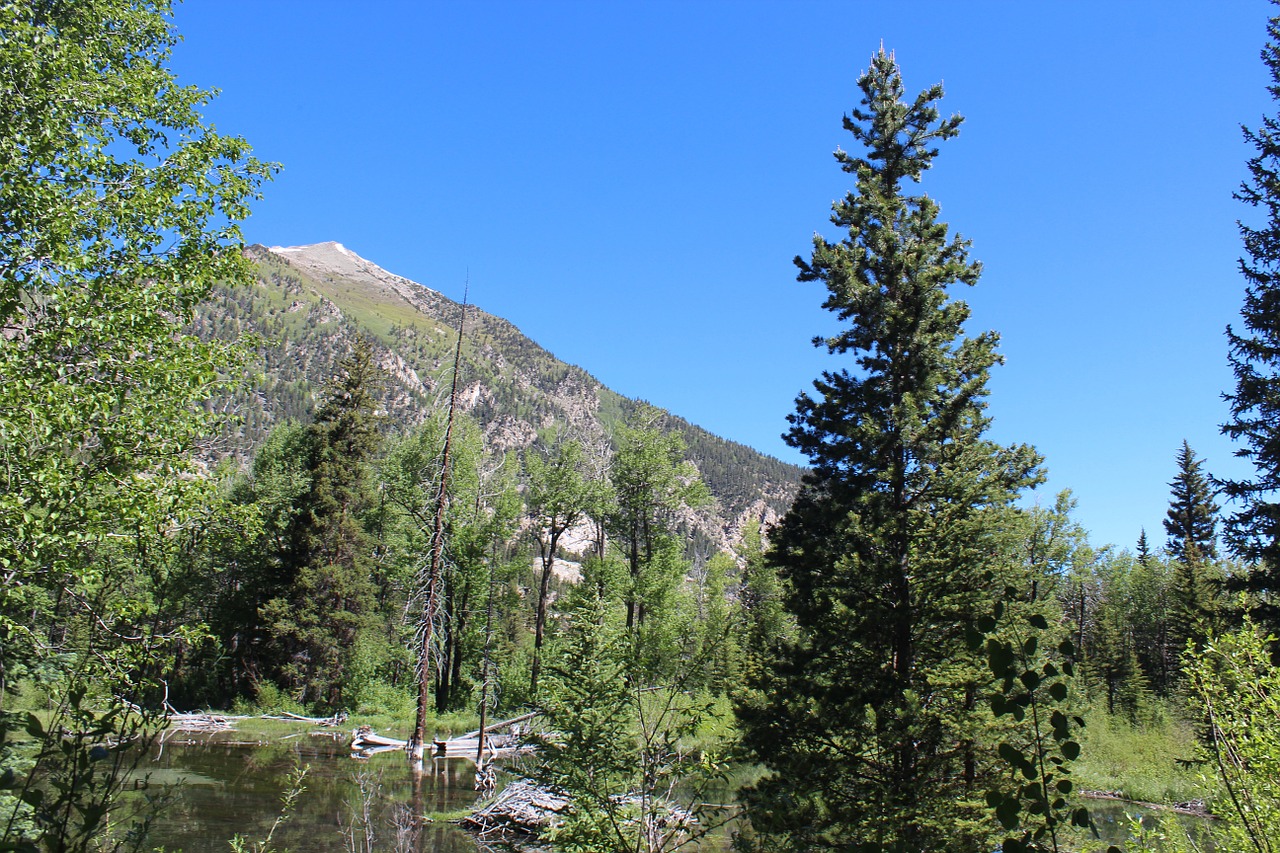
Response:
column 1007, row 813
column 1038, row 621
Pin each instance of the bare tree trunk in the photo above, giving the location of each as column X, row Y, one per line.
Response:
column 417, row 744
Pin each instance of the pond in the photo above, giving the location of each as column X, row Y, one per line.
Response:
column 214, row 791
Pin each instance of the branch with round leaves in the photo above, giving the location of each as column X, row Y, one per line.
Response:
column 1032, row 690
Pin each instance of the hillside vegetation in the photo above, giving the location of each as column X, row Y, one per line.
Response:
column 309, row 303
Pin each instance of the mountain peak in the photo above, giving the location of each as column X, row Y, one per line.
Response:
column 331, row 257
column 334, row 260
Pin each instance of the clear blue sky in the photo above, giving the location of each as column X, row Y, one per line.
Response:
column 628, row 183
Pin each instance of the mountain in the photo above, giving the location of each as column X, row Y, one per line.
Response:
column 308, row 304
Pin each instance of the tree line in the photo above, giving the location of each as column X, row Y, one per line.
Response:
column 905, row 656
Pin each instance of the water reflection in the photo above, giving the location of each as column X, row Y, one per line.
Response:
column 215, row 792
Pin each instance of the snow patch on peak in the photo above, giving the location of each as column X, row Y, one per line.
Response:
column 332, row 259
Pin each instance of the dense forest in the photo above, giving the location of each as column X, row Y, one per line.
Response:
column 913, row 657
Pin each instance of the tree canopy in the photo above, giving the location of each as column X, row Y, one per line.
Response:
column 866, row 719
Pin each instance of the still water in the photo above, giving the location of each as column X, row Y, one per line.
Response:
column 213, row 792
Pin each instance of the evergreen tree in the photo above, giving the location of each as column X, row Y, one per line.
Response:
column 1192, row 519
column 1144, row 548
column 868, row 722
column 316, row 622
column 764, row 620
column 1253, row 531
column 1191, row 525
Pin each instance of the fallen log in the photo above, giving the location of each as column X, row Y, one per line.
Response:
column 521, row 808
column 202, row 723
column 365, row 738
column 495, row 726
column 366, row 741
column 336, row 720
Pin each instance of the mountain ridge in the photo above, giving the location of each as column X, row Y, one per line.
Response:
column 310, row 301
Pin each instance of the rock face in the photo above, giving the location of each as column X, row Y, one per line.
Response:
column 310, row 303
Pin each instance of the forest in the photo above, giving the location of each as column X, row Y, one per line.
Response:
column 913, row 658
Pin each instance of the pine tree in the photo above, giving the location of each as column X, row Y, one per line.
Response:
column 868, row 720
column 1192, row 520
column 1144, row 548
column 1192, row 527
column 317, row 621
column 1254, row 353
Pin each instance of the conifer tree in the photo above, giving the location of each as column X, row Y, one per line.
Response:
column 1192, row 519
column 1192, row 527
column 316, row 622
column 868, row 721
column 1144, row 548
column 1253, row 531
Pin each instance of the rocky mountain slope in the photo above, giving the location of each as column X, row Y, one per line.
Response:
column 311, row 301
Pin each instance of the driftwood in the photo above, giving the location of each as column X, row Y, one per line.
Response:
column 202, row 723
column 521, row 808
column 471, row 735
column 1191, row 808
column 365, row 741
column 334, row 721
column 524, row 809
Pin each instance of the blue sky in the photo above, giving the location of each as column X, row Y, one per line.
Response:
column 628, row 183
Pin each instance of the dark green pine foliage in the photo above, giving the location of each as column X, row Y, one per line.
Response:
column 1253, row 531
column 1144, row 548
column 869, row 722
column 316, row 623
column 1191, row 523
column 1192, row 520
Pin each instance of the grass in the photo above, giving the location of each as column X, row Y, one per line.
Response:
column 1139, row 762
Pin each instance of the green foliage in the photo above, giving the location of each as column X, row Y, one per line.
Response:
column 1191, row 523
column 1192, row 519
column 717, row 622
column 86, row 755
column 1253, row 531
column 586, row 701
column 634, row 761
column 1236, row 689
column 480, row 513
column 651, row 482
column 560, row 492
column 1143, row 761
column 1034, row 685
column 314, row 624
column 120, row 211
column 869, row 719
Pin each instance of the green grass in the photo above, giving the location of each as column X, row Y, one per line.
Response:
column 1139, row 762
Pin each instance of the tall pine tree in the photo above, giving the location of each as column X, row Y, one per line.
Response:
column 1253, row 531
column 1191, row 523
column 1192, row 519
column 316, row 622
column 868, row 721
